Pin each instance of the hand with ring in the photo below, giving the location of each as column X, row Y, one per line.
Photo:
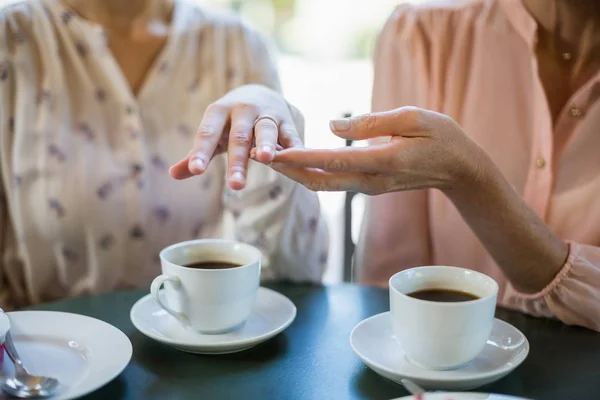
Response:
column 250, row 115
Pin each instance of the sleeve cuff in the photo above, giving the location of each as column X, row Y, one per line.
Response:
column 564, row 271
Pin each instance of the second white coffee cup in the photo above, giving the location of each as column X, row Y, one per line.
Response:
column 209, row 301
column 442, row 335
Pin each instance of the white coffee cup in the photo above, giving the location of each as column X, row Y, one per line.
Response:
column 442, row 335
column 208, row 301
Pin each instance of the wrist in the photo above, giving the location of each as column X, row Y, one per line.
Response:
column 477, row 172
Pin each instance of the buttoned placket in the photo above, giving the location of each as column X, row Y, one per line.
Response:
column 545, row 157
column 538, row 186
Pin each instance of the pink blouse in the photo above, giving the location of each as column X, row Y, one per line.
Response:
column 476, row 62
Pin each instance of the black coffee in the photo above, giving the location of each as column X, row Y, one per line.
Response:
column 212, row 265
column 443, row 295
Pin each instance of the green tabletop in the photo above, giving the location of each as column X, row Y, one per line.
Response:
column 312, row 359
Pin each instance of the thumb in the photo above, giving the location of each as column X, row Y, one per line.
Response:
column 404, row 121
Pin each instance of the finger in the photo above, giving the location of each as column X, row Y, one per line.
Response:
column 288, row 135
column 207, row 137
column 405, row 121
column 181, row 170
column 372, row 159
column 266, row 132
column 254, row 150
column 318, row 180
column 240, row 141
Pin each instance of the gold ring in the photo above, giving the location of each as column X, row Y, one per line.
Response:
column 265, row 117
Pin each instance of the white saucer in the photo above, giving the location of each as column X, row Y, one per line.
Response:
column 83, row 353
column 460, row 396
column 374, row 342
column 271, row 314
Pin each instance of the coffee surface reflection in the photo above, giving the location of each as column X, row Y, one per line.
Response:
column 212, row 265
column 443, row 295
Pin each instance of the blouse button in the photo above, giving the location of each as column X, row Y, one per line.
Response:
column 540, row 163
column 576, row 112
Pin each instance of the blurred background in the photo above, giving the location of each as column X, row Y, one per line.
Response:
column 324, row 50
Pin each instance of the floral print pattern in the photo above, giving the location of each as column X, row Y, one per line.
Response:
column 100, row 167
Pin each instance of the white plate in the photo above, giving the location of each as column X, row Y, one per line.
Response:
column 83, row 353
column 374, row 342
column 271, row 314
column 460, row 396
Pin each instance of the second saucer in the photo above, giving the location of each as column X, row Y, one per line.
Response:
column 271, row 314
column 374, row 342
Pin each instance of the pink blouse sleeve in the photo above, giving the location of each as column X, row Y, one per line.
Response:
column 573, row 296
column 395, row 233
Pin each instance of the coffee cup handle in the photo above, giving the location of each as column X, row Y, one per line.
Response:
column 157, row 284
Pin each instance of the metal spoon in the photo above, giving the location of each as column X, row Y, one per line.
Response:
column 23, row 384
column 412, row 387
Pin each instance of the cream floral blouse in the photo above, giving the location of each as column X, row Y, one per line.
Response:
column 86, row 201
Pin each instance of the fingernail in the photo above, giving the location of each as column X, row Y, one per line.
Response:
column 339, row 124
column 198, row 164
column 267, row 149
column 237, row 176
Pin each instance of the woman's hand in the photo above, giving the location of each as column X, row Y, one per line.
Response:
column 411, row 148
column 429, row 150
column 246, row 116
